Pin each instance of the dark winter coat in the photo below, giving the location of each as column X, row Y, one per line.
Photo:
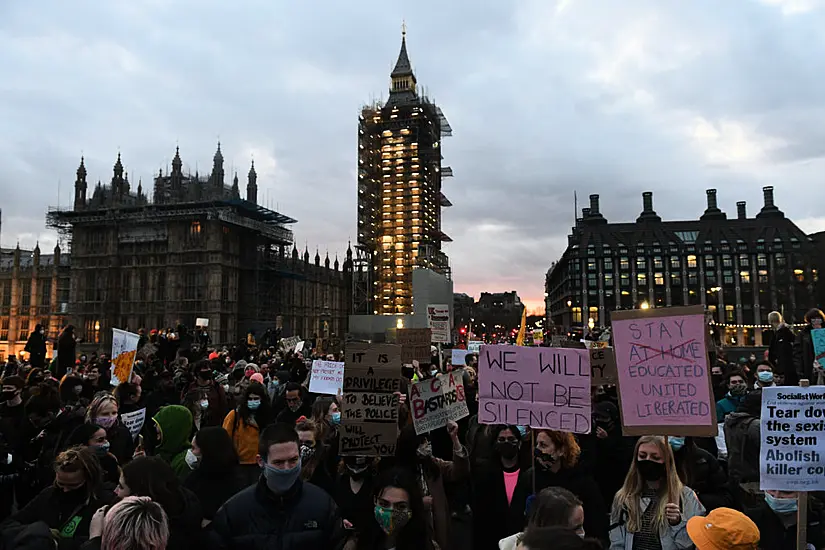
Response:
column 776, row 535
column 66, row 354
column 305, row 518
column 36, row 347
column 742, row 438
column 804, row 355
column 213, row 489
column 781, row 354
column 493, row 517
column 701, row 472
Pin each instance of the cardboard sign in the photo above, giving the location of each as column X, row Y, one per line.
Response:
column 327, row 377
column 474, row 346
column 538, row 337
column 546, row 388
column 792, row 450
column 299, row 347
column 435, row 402
column 663, row 374
column 415, row 345
column 372, row 377
column 602, row 366
column 134, row 421
column 438, row 319
column 124, row 350
column 201, row 322
column 290, row 343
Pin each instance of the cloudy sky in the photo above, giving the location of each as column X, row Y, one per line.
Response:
column 545, row 97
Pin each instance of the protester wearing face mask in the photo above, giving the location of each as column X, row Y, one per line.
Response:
column 295, row 407
column 414, row 453
column 173, row 425
column 398, row 516
column 282, row 505
column 737, row 389
column 652, row 508
column 326, row 414
column 36, row 347
column 245, row 423
column 13, row 440
column 216, row 474
column 354, row 491
column 699, row 470
column 205, row 382
column 764, row 376
column 313, row 456
column 103, row 411
column 776, row 518
column 94, row 437
column 494, row 491
column 71, row 391
column 557, row 465
column 553, row 508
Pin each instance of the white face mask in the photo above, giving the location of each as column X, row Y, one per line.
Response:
column 204, row 404
column 192, row 460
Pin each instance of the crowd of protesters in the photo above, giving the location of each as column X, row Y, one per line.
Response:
column 236, row 453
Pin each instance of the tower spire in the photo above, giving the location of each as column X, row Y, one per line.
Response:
column 402, row 79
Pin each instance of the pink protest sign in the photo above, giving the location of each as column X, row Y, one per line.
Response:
column 547, row 388
column 663, row 374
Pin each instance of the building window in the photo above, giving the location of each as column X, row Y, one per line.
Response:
column 160, row 290
column 591, row 265
column 608, row 264
column 659, row 279
column 193, row 285
column 744, row 261
column 693, row 279
column 625, row 279
column 727, row 261
column 780, row 260
column 93, row 331
column 224, row 287
column 44, row 291
column 577, row 315
column 799, row 275
column 25, row 293
column 641, row 279
column 657, row 263
column 710, row 277
column 691, row 261
column 745, row 277
column 641, row 264
column 195, row 230
column 763, row 276
column 5, row 289
column 727, row 277
column 675, row 262
column 762, row 260
column 23, row 333
column 4, row 329
column 725, row 246
column 729, row 318
column 710, row 261
column 608, row 280
column 624, row 263
column 591, row 281
column 675, row 279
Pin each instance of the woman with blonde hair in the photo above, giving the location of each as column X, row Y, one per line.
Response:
column 651, row 510
column 134, row 523
column 104, row 412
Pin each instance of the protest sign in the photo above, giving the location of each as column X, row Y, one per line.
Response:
column 124, row 349
column 538, row 337
column 299, row 347
column 372, row 376
column 792, row 450
column 134, row 421
column 436, row 401
column 458, row 356
column 438, row 320
column 327, row 377
column 663, row 374
column 547, row 388
column 602, row 366
column 474, row 346
column 202, row 322
column 415, row 345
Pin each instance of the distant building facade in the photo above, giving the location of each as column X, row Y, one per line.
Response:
column 399, row 195
column 463, row 306
column 497, row 312
column 740, row 269
column 196, row 250
column 34, row 290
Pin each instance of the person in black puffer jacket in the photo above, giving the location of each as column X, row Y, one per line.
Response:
column 280, row 511
column 699, row 470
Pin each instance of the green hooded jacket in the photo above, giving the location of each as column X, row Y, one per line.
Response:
column 175, row 425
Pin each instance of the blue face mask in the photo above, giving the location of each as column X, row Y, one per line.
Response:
column 275, row 383
column 676, row 443
column 253, row 405
column 781, row 505
column 522, row 430
column 766, row 377
column 101, row 450
column 335, row 418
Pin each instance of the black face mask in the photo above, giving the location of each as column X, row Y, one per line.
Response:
column 205, row 374
column 544, row 460
column 7, row 395
column 507, row 450
column 650, row 471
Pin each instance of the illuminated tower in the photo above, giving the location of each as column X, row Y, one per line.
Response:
column 399, row 194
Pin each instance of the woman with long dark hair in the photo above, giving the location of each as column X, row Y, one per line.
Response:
column 313, row 456
column 95, row 438
column 400, row 518
column 699, row 470
column 245, row 423
column 216, row 474
column 66, row 351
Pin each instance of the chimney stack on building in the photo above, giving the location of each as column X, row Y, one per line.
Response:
column 594, row 205
column 767, row 192
column 647, row 202
column 585, row 213
column 741, row 210
column 712, row 212
column 712, row 204
column 769, row 209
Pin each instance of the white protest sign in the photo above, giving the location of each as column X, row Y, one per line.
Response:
column 327, row 377
column 792, row 451
column 290, row 343
column 299, row 347
column 201, row 322
column 436, row 401
column 458, row 357
column 474, row 346
column 124, row 350
column 438, row 320
column 134, row 421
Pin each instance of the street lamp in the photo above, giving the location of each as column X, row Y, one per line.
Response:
column 399, row 323
column 591, row 323
column 569, row 303
column 645, row 305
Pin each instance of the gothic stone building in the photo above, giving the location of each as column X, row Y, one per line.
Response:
column 195, row 250
column 34, row 289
